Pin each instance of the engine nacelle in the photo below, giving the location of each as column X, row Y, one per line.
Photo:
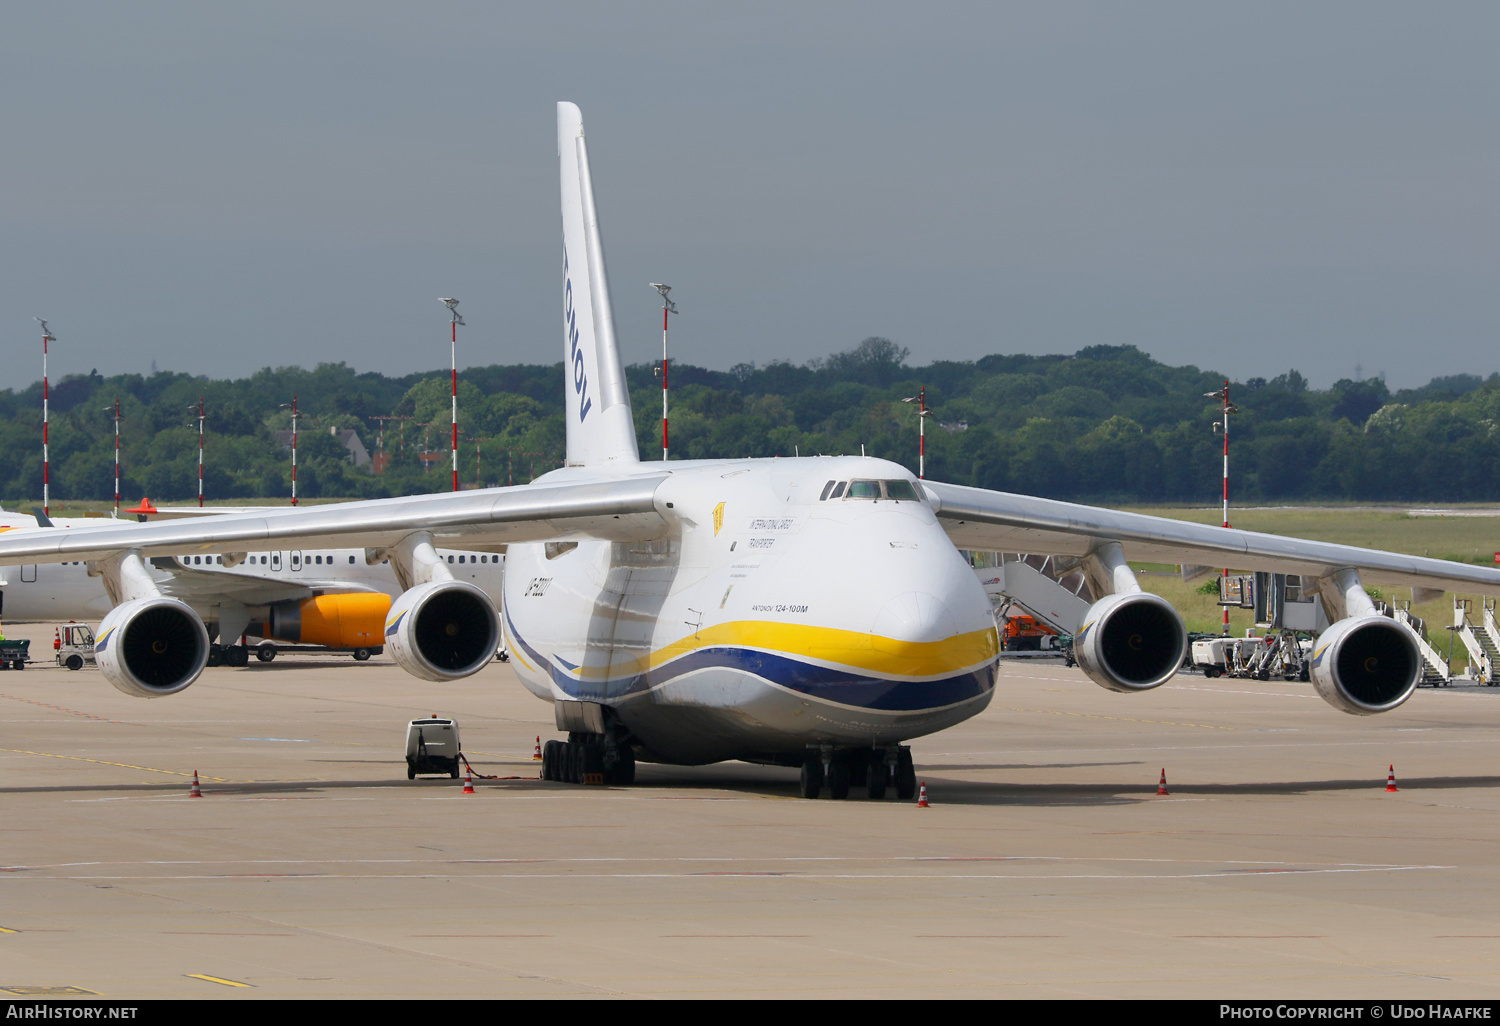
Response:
column 1130, row 641
column 151, row 647
column 1366, row 664
column 346, row 620
column 442, row 630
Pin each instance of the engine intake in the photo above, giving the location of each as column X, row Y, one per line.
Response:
column 1130, row 641
column 1366, row 665
column 442, row 630
column 151, row 647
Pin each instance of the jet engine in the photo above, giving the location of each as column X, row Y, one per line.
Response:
column 1366, row 664
column 1130, row 641
column 150, row 647
column 347, row 620
column 442, row 630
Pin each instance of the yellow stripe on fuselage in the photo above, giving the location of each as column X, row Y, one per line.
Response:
column 872, row 653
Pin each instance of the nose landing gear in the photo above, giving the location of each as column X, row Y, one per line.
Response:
column 877, row 769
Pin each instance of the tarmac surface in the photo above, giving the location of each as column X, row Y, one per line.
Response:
column 1046, row 866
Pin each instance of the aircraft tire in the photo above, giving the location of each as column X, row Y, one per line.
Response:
column 877, row 775
column 838, row 779
column 215, row 655
column 411, row 772
column 573, row 760
column 812, row 777
column 619, row 766
column 906, row 777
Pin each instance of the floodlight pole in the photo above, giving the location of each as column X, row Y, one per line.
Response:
column 294, row 447
column 1229, row 407
column 922, row 414
column 200, row 451
column 47, row 336
column 116, row 409
column 452, row 305
column 667, row 307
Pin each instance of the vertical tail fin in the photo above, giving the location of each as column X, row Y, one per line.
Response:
column 600, row 427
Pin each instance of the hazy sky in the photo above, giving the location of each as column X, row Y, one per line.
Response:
column 1247, row 187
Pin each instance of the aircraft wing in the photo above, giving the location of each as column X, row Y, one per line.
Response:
column 202, row 585
column 481, row 519
column 977, row 518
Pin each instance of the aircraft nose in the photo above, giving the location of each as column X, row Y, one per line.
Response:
column 914, row 616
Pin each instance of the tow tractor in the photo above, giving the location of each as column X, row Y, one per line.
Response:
column 73, row 645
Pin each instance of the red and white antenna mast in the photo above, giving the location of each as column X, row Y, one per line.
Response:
column 922, row 414
column 116, row 409
column 667, row 307
column 1229, row 407
column 293, row 405
column 452, row 305
column 47, row 336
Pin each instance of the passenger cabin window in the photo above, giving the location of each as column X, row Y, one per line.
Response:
column 351, row 561
column 863, row 490
column 899, row 490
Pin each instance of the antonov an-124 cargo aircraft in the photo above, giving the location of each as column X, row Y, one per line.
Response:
column 811, row 612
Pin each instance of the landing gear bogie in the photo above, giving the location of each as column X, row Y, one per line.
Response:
column 874, row 769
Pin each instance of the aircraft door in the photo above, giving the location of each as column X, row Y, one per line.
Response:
column 28, row 574
column 297, row 560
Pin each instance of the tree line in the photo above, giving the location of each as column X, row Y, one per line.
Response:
column 1106, row 424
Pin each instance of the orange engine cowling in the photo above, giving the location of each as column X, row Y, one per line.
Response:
column 334, row 621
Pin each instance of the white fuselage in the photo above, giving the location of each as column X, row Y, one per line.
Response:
column 769, row 620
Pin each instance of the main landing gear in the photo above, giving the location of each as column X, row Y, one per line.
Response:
column 874, row 769
column 588, row 759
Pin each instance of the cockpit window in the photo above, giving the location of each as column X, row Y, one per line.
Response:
column 826, row 489
column 838, row 490
column 864, row 490
column 900, row 490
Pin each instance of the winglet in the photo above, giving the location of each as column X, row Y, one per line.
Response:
column 600, row 427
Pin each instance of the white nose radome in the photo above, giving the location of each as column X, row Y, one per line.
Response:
column 914, row 616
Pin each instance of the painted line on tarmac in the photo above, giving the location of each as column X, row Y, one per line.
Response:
column 1249, row 865
column 73, row 712
column 791, row 876
column 106, row 762
column 1100, row 716
column 216, row 979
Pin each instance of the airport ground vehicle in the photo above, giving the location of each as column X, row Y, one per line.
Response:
column 74, row 646
column 1022, row 632
column 811, row 612
column 14, row 655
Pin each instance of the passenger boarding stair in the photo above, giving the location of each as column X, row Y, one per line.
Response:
column 1057, row 596
column 1481, row 639
column 1435, row 669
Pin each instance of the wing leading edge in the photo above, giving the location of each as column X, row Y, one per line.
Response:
column 977, row 518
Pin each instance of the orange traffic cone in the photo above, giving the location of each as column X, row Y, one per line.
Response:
column 468, row 783
column 1161, row 788
column 56, row 639
column 1390, row 778
column 536, row 756
column 195, row 792
column 922, row 797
